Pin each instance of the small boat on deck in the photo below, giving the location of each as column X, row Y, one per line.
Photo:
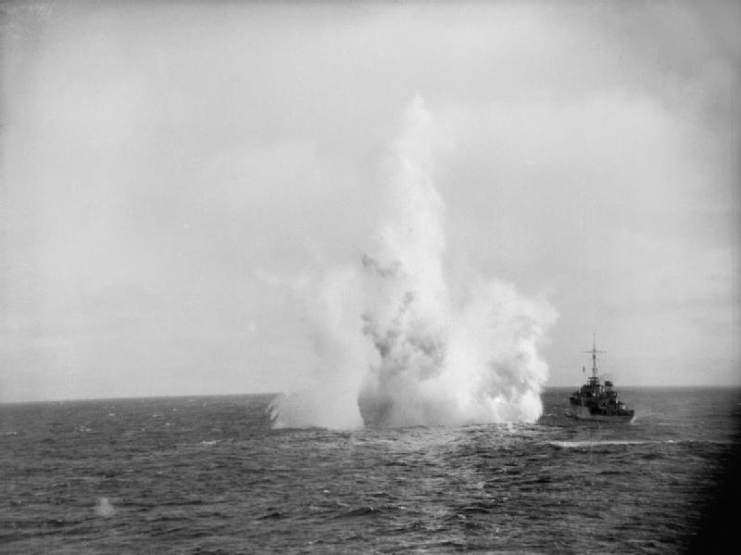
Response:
column 595, row 401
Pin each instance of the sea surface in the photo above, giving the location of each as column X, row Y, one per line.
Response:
column 208, row 475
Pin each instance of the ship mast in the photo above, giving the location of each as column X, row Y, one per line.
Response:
column 594, row 352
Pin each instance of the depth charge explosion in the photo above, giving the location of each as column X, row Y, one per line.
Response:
column 397, row 344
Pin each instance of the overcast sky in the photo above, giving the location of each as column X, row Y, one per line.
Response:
column 167, row 168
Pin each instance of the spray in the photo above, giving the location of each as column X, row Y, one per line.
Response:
column 396, row 344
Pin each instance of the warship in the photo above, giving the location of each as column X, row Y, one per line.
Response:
column 595, row 401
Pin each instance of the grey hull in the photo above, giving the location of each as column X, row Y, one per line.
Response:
column 582, row 413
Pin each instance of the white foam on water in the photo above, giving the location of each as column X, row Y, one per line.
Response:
column 582, row 444
column 104, row 508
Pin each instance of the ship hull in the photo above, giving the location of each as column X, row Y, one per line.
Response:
column 583, row 413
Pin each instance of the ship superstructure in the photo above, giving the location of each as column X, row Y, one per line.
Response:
column 595, row 401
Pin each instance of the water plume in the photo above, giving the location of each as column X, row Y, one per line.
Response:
column 397, row 344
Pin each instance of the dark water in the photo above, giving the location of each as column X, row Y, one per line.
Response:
column 208, row 475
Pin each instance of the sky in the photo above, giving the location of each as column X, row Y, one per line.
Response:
column 169, row 170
